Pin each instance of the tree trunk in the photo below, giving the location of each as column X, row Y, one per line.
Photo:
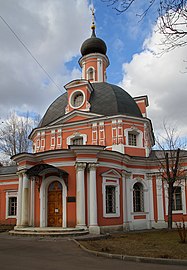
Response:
column 170, row 205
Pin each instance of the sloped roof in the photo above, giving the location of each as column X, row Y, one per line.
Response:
column 8, row 170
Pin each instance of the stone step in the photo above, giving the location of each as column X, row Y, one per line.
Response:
column 51, row 233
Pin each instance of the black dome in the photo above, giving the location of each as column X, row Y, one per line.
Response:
column 106, row 99
column 93, row 45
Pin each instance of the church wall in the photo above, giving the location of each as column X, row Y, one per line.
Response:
column 71, row 193
column 107, row 221
column 8, row 188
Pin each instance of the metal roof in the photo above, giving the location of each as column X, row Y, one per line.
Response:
column 8, row 170
column 106, row 99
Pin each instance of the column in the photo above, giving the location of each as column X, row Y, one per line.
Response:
column 25, row 201
column 80, row 194
column 32, row 194
column 19, row 204
column 93, row 224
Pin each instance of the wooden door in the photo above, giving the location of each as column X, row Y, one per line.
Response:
column 55, row 204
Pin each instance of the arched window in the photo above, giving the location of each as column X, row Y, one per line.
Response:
column 90, row 74
column 138, row 200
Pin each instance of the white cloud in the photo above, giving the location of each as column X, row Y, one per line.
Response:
column 163, row 80
column 53, row 31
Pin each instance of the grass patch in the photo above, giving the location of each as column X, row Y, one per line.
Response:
column 157, row 244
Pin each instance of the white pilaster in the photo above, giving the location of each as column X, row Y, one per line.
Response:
column 160, row 201
column 19, row 205
column 151, row 209
column 25, row 201
column 126, row 205
column 93, row 224
column 99, row 70
column 80, row 194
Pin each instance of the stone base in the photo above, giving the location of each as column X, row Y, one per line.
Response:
column 111, row 229
column 94, row 230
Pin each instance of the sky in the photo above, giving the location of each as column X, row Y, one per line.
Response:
column 53, row 31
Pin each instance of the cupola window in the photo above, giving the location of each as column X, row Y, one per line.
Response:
column 90, row 74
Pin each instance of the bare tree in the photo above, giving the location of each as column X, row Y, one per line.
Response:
column 172, row 22
column 170, row 159
column 14, row 133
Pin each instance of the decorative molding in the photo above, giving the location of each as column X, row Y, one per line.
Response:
column 80, row 166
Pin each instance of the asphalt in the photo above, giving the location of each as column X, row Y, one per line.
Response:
column 39, row 253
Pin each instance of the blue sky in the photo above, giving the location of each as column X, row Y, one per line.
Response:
column 54, row 31
column 124, row 34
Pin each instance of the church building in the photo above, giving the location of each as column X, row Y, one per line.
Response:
column 92, row 165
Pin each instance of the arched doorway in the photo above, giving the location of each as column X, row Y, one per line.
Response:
column 54, row 217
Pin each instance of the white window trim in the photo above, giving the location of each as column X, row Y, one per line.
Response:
column 76, row 136
column 37, row 144
column 87, row 72
column 139, row 138
column 53, row 138
column 109, row 181
column 43, row 140
column 183, row 197
column 10, row 194
column 146, row 192
column 71, row 98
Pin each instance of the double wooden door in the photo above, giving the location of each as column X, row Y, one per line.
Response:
column 55, row 204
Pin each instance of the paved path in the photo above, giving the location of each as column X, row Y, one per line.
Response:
column 25, row 253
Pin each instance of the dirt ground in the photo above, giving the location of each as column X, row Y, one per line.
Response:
column 157, row 244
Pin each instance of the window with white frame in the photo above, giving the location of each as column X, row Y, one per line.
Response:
column 11, row 204
column 77, row 141
column 110, row 199
column 177, row 199
column 132, row 139
column 138, row 197
column 111, row 205
column 77, row 99
column 90, row 74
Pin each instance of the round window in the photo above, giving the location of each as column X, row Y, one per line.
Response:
column 77, row 99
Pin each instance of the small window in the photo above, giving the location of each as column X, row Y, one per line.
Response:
column 90, row 74
column 77, row 141
column 132, row 139
column 138, row 202
column 12, row 206
column 177, row 199
column 110, row 199
column 78, row 100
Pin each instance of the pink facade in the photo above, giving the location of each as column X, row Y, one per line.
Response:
column 92, row 164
